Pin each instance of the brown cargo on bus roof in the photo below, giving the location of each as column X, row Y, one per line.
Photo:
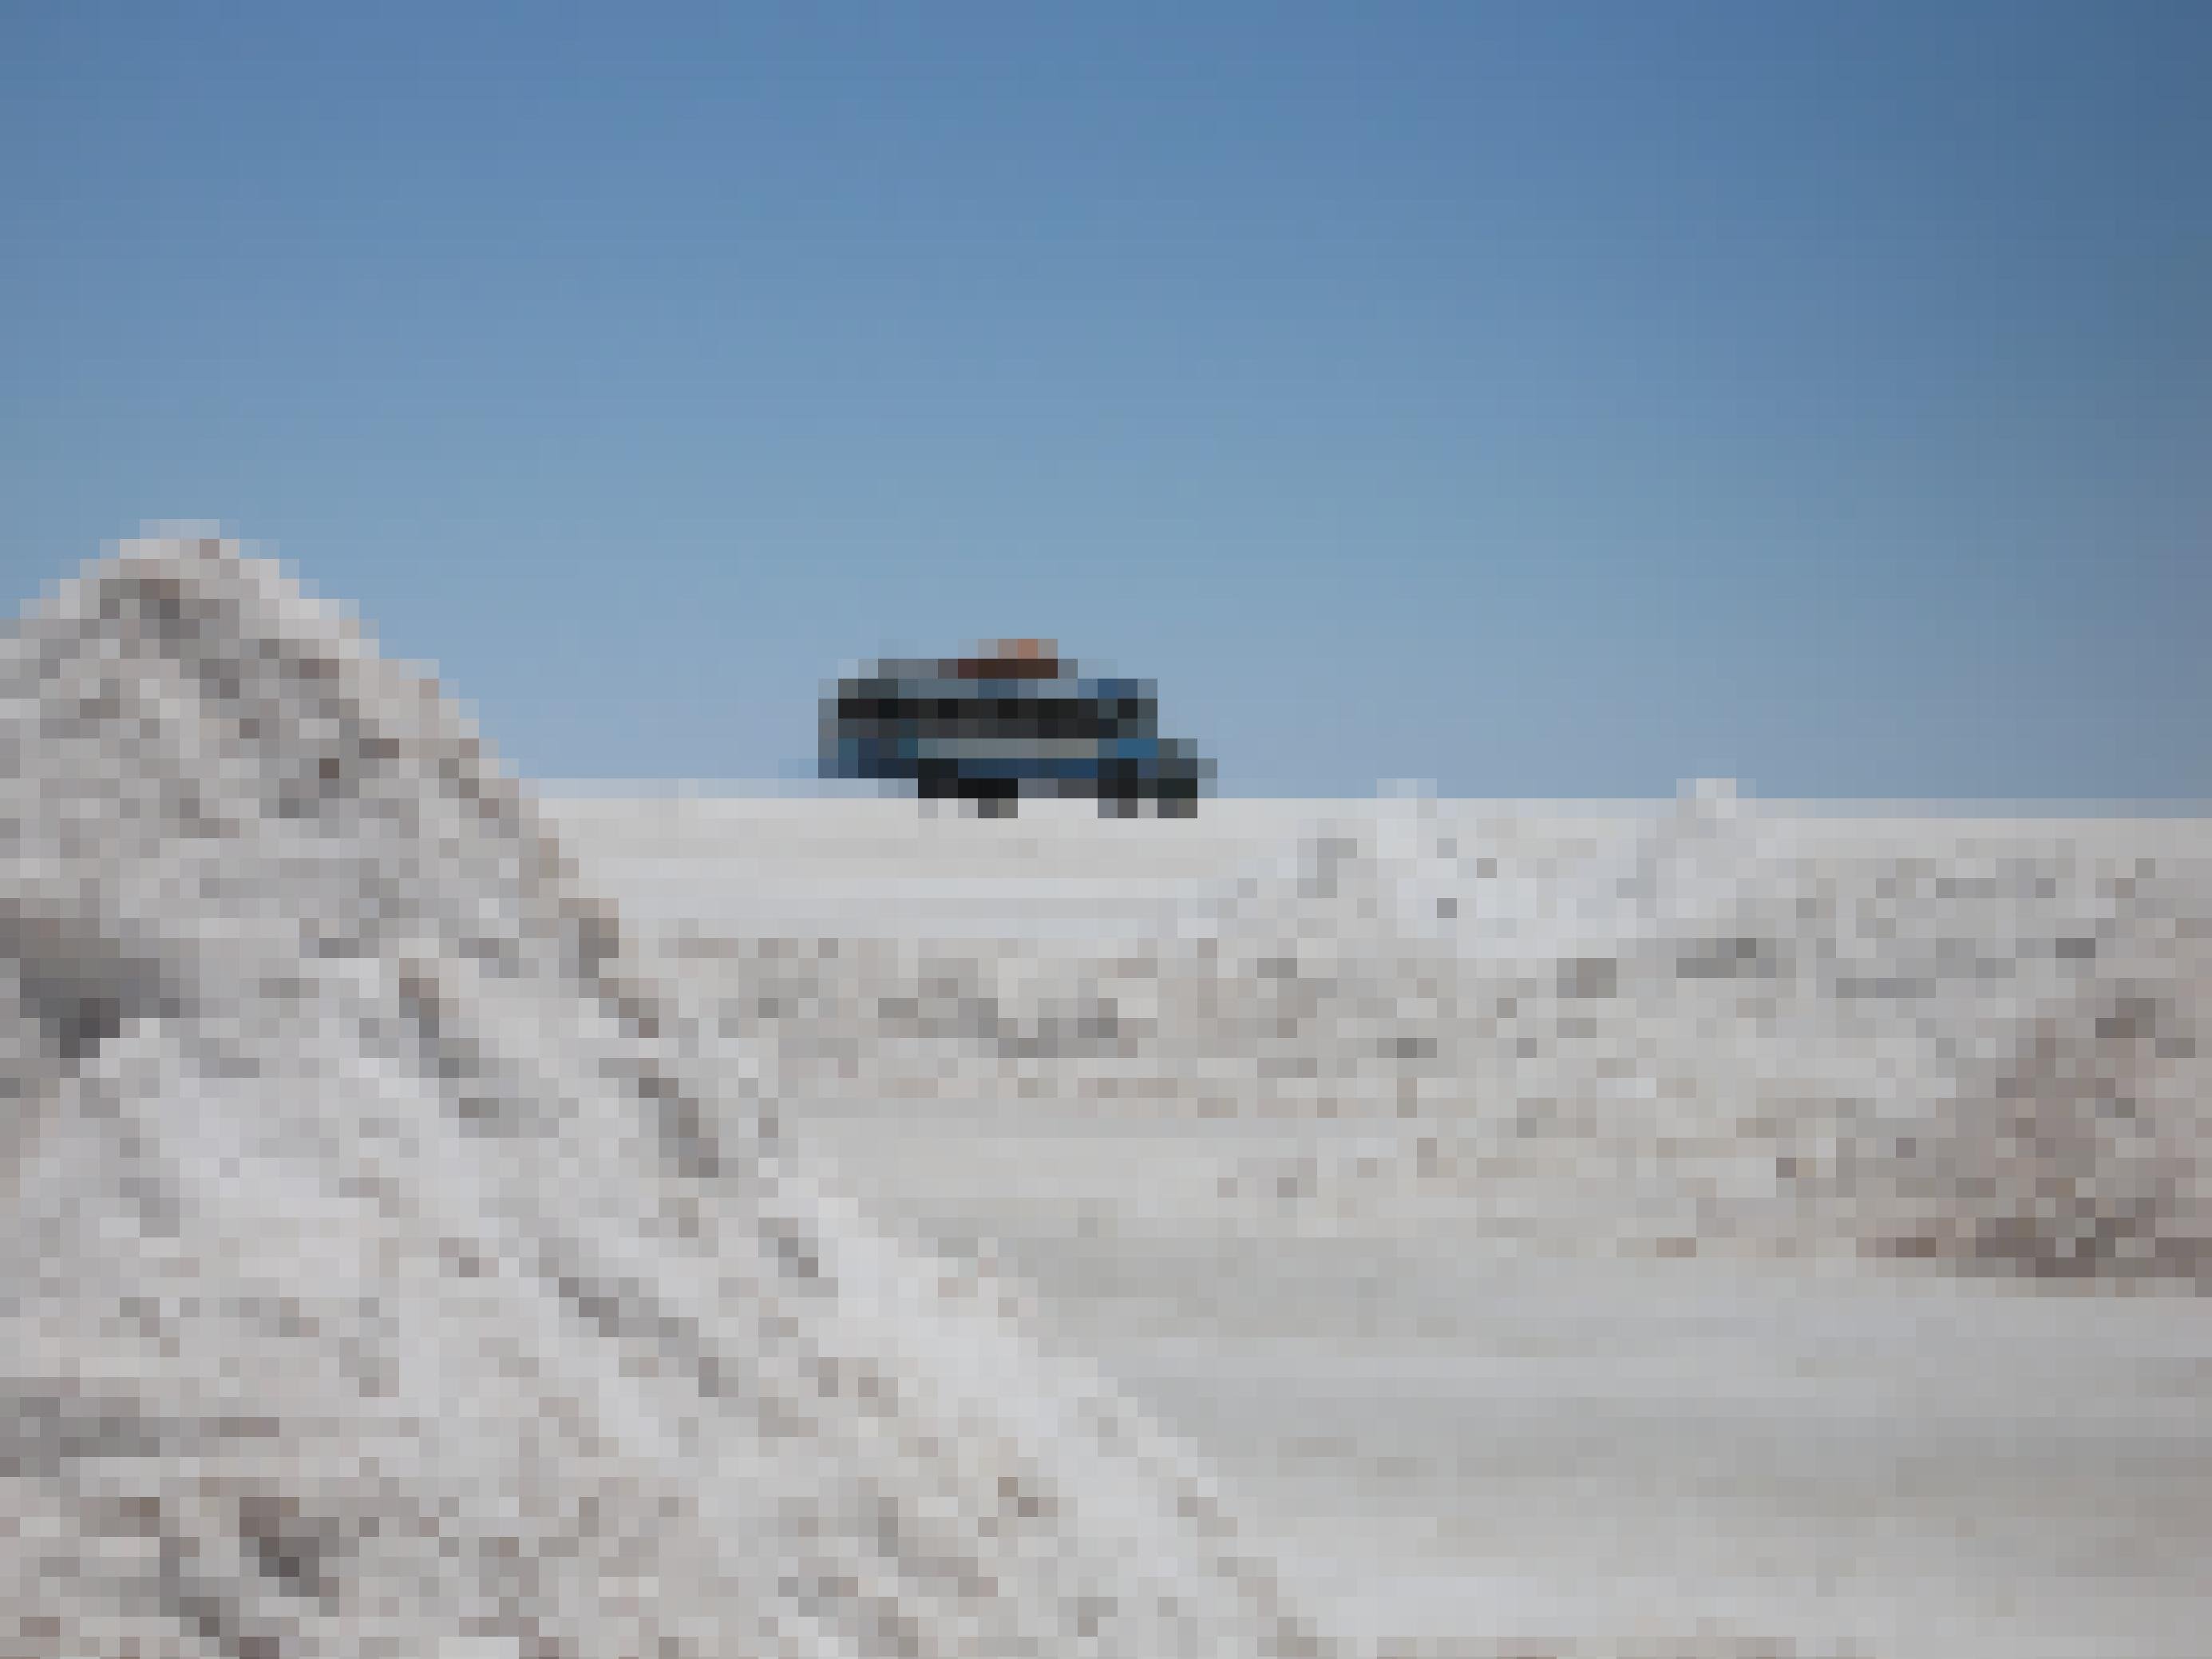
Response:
column 1011, row 660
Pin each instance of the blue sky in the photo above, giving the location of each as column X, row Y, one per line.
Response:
column 1541, row 399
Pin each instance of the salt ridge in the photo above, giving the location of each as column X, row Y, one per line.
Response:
column 390, row 1263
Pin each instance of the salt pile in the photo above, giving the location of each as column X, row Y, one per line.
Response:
column 391, row 1267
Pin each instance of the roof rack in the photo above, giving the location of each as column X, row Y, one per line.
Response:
column 1011, row 660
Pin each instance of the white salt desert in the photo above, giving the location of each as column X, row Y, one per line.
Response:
column 441, row 1220
column 1712, row 1227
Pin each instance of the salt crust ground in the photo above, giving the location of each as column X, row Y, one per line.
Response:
column 1696, row 1231
column 1728, row 1227
column 1720, row 1025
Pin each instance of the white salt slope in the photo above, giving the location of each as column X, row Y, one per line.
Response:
column 384, row 1267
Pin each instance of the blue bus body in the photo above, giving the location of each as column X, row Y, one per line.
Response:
column 992, row 738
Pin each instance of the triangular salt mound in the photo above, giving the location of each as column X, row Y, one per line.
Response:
column 382, row 1273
